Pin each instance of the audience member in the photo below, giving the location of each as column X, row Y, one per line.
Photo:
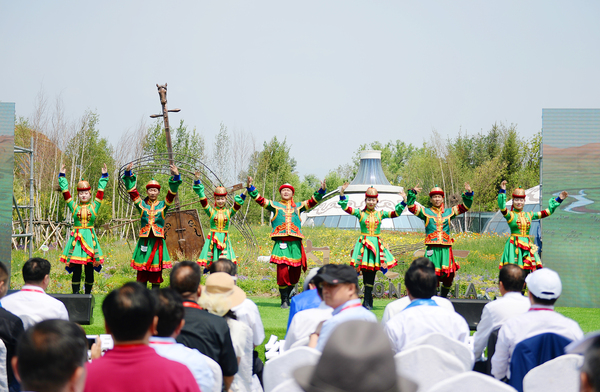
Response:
column 304, row 323
column 511, row 282
column 590, row 370
column 246, row 312
column 357, row 357
column 423, row 315
column 544, row 289
column 307, row 299
column 395, row 307
column 169, row 309
column 203, row 331
column 219, row 296
column 11, row 328
column 31, row 303
column 129, row 316
column 51, row 357
column 339, row 285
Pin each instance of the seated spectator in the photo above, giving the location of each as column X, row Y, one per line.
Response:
column 307, row 320
column 423, row 315
column 544, row 289
column 169, row 309
column 395, row 307
column 31, row 303
column 339, row 285
column 51, row 356
column 219, row 296
column 246, row 312
column 203, row 331
column 511, row 283
column 129, row 316
column 590, row 370
column 11, row 328
column 357, row 357
column 307, row 299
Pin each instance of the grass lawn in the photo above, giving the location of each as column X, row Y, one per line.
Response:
column 275, row 319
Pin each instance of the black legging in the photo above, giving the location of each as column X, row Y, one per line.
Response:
column 89, row 273
column 369, row 277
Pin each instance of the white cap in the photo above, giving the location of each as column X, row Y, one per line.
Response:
column 311, row 274
column 544, row 283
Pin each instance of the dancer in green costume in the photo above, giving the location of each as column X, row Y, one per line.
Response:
column 217, row 243
column 437, row 231
column 519, row 248
column 151, row 256
column 370, row 254
column 82, row 246
column 288, row 251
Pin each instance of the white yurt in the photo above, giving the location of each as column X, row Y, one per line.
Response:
column 370, row 173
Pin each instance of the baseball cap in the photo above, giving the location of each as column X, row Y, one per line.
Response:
column 336, row 274
column 544, row 283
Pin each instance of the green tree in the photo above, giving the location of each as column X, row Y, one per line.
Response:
column 270, row 168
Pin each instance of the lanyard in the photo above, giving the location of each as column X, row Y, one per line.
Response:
column 153, row 342
column 34, row 290
column 349, row 306
column 534, row 309
column 189, row 304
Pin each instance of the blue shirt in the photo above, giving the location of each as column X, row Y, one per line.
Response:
column 308, row 299
column 351, row 310
column 192, row 358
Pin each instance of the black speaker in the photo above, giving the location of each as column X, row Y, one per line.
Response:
column 470, row 309
column 79, row 306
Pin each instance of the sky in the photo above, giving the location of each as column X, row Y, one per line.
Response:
column 326, row 76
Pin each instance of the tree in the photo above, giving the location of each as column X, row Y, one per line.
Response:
column 270, row 168
column 221, row 155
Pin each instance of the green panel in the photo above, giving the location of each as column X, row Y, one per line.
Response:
column 571, row 162
column 7, row 143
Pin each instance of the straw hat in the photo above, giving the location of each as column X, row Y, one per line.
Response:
column 220, row 294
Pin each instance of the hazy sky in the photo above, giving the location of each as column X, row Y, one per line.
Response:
column 326, row 75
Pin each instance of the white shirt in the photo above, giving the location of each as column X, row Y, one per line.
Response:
column 192, row 358
column 395, row 307
column 417, row 321
column 241, row 338
column 494, row 314
column 350, row 310
column 526, row 325
column 33, row 305
column 305, row 322
column 247, row 313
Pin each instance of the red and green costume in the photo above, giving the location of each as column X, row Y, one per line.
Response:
column 82, row 246
column 520, row 248
column 217, row 243
column 437, row 234
column 288, row 251
column 151, row 256
column 369, row 252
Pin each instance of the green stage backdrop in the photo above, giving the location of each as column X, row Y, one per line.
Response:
column 571, row 237
column 7, row 142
